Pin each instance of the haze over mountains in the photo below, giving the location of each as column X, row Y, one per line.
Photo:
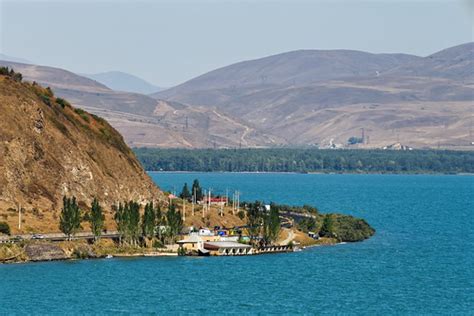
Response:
column 122, row 81
column 300, row 98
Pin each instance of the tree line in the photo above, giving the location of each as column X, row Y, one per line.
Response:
column 133, row 227
column 306, row 160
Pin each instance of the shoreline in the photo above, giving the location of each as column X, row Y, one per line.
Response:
column 319, row 173
column 151, row 254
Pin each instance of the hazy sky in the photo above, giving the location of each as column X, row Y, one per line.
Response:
column 168, row 42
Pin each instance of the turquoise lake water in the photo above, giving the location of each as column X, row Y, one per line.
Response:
column 419, row 261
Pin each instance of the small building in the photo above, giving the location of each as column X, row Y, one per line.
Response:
column 191, row 242
column 215, row 200
column 228, row 248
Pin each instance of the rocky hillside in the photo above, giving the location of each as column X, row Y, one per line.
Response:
column 49, row 149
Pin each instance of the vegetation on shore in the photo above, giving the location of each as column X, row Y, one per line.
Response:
column 306, row 160
column 341, row 227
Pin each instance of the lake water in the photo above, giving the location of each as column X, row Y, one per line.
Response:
column 419, row 261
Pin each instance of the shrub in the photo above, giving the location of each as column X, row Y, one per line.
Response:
column 5, row 228
column 46, row 99
column 63, row 103
column 16, row 76
column 82, row 114
column 158, row 244
column 49, row 92
column 241, row 214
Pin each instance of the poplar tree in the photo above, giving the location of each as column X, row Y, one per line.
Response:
column 185, row 194
column 174, row 222
column 271, row 226
column 196, row 189
column 133, row 231
column 70, row 218
column 254, row 220
column 96, row 219
column 149, row 221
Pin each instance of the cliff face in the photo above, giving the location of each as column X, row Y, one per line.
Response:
column 49, row 149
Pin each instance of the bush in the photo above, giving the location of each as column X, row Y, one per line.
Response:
column 241, row 214
column 158, row 244
column 82, row 114
column 63, row 103
column 5, row 228
column 16, row 76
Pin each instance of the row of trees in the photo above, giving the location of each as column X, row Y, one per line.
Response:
column 131, row 225
column 306, row 160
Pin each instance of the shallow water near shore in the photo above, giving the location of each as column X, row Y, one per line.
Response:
column 419, row 261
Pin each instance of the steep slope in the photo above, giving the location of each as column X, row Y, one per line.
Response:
column 145, row 121
column 49, row 149
column 121, row 81
column 321, row 98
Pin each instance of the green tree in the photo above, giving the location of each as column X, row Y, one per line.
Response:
column 185, row 194
column 149, row 221
column 327, row 229
column 271, row 226
column 4, row 228
column 174, row 222
column 96, row 219
column 70, row 219
column 196, row 189
column 133, row 224
column 120, row 220
column 254, row 220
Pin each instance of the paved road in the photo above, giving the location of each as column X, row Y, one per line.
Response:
column 56, row 236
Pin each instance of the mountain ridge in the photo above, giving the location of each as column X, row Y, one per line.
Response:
column 122, row 81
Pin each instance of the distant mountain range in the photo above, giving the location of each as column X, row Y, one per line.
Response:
column 322, row 98
column 14, row 59
column 301, row 98
column 121, row 81
column 143, row 120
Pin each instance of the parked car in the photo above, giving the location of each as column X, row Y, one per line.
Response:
column 37, row 236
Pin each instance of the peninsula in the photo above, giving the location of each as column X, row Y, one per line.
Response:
column 71, row 188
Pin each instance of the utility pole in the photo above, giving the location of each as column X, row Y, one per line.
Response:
column 193, row 200
column 238, row 201
column 204, row 206
column 19, row 216
column 209, row 201
column 233, row 203
column 226, row 196
column 184, row 209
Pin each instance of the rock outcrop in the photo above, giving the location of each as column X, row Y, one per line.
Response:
column 49, row 149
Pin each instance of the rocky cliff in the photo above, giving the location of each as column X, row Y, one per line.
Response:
column 49, row 149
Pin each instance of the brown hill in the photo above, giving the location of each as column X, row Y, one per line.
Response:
column 325, row 97
column 143, row 120
column 49, row 149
